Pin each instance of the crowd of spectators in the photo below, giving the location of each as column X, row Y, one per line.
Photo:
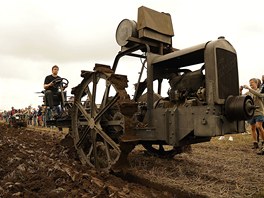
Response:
column 34, row 116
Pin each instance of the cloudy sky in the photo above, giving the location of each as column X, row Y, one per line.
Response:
column 35, row 35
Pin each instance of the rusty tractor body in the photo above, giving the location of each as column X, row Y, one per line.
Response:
column 181, row 97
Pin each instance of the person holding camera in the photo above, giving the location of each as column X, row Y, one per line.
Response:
column 258, row 117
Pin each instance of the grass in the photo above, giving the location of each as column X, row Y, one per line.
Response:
column 219, row 168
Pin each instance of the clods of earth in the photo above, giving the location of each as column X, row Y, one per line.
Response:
column 35, row 163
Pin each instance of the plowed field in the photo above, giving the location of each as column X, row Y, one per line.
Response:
column 34, row 163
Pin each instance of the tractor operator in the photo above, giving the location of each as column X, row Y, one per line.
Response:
column 50, row 89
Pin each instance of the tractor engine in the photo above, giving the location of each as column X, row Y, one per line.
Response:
column 187, row 87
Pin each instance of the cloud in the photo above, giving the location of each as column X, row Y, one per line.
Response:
column 52, row 34
column 75, row 35
column 48, row 42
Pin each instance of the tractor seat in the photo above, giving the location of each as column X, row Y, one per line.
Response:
column 57, row 99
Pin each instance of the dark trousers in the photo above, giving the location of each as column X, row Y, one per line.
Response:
column 49, row 96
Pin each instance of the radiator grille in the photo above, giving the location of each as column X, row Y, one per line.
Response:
column 227, row 73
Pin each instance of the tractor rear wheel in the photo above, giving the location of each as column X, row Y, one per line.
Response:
column 96, row 101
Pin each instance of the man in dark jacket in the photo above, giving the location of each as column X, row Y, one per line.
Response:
column 50, row 89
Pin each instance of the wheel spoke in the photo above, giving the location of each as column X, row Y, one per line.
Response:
column 106, row 93
column 106, row 107
column 83, row 111
column 95, row 149
column 107, row 139
column 83, row 136
column 89, row 98
column 87, row 117
column 93, row 103
column 89, row 93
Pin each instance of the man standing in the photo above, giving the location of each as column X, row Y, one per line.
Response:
column 13, row 111
column 50, row 89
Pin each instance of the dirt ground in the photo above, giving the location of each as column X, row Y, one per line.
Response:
column 34, row 164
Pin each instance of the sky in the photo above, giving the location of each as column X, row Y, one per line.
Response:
column 37, row 34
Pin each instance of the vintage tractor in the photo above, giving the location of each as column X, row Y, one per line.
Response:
column 181, row 97
column 62, row 105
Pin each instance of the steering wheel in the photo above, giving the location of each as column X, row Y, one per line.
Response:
column 63, row 82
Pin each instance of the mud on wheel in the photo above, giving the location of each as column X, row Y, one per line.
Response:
column 96, row 121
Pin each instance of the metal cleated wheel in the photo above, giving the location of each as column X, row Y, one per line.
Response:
column 96, row 123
